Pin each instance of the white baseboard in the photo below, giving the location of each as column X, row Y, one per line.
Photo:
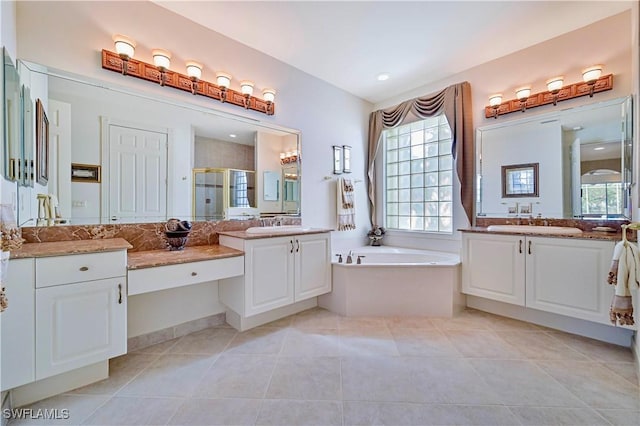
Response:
column 606, row 333
column 61, row 383
column 245, row 323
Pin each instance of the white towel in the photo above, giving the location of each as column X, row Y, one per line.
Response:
column 624, row 274
column 345, row 207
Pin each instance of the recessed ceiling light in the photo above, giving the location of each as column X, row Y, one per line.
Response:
column 232, row 135
column 383, row 76
column 598, row 148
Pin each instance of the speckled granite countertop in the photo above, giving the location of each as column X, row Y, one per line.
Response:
column 246, row 236
column 585, row 235
column 151, row 258
column 60, row 248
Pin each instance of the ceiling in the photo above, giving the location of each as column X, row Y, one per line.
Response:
column 349, row 43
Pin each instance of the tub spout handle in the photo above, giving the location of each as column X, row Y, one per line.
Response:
column 339, row 258
column 359, row 261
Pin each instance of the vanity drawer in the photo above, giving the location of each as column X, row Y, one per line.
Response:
column 74, row 268
column 170, row 276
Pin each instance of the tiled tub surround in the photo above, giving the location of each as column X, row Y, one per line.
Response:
column 142, row 236
column 318, row 368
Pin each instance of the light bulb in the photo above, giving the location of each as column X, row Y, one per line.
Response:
column 125, row 47
column 495, row 100
column 269, row 95
column 555, row 84
column 194, row 69
column 592, row 74
column 223, row 79
column 246, row 87
column 161, row 58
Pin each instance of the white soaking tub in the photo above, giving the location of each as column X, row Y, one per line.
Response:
column 394, row 281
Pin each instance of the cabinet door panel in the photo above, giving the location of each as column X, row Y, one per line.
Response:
column 18, row 325
column 568, row 276
column 268, row 274
column 79, row 324
column 493, row 267
column 313, row 266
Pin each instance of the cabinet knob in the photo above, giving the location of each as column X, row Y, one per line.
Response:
column 84, row 268
column 193, row 274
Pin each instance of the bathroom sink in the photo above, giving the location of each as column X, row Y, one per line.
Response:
column 531, row 229
column 276, row 229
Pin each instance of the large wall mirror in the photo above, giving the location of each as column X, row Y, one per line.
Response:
column 147, row 147
column 583, row 157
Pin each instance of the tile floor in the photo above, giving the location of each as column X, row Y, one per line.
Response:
column 316, row 368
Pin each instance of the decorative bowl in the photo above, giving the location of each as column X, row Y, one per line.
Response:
column 176, row 234
column 176, row 240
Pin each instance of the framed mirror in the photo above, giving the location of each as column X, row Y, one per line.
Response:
column 195, row 136
column 12, row 120
column 583, row 156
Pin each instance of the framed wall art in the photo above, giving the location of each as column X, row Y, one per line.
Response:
column 42, row 144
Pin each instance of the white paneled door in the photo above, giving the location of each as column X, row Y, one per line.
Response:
column 137, row 174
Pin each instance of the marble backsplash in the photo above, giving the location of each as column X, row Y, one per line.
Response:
column 585, row 225
column 143, row 236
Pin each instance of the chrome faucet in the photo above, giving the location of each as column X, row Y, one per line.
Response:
column 350, row 257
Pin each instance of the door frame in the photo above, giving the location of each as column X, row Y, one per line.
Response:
column 105, row 144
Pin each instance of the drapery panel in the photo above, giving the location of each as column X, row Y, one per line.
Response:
column 455, row 102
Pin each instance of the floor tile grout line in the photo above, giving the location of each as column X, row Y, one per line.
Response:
column 112, row 395
column 636, row 383
column 537, row 365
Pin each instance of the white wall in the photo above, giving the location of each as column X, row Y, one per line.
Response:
column 565, row 55
column 324, row 115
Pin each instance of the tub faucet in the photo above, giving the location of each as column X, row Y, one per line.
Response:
column 350, row 257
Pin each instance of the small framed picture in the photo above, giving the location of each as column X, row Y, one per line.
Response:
column 520, row 180
column 85, row 173
column 337, row 159
column 346, row 158
column 42, row 144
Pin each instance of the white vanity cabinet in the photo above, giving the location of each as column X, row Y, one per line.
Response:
column 81, row 310
column 493, row 267
column 18, row 325
column 569, row 277
column 565, row 276
column 278, row 271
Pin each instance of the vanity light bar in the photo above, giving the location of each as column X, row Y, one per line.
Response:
column 113, row 62
column 575, row 90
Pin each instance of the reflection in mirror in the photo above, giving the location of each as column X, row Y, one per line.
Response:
column 271, row 182
column 208, row 194
column 12, row 108
column 584, row 157
column 291, row 190
column 242, row 188
column 100, row 124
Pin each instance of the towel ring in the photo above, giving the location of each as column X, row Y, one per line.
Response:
column 633, row 226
